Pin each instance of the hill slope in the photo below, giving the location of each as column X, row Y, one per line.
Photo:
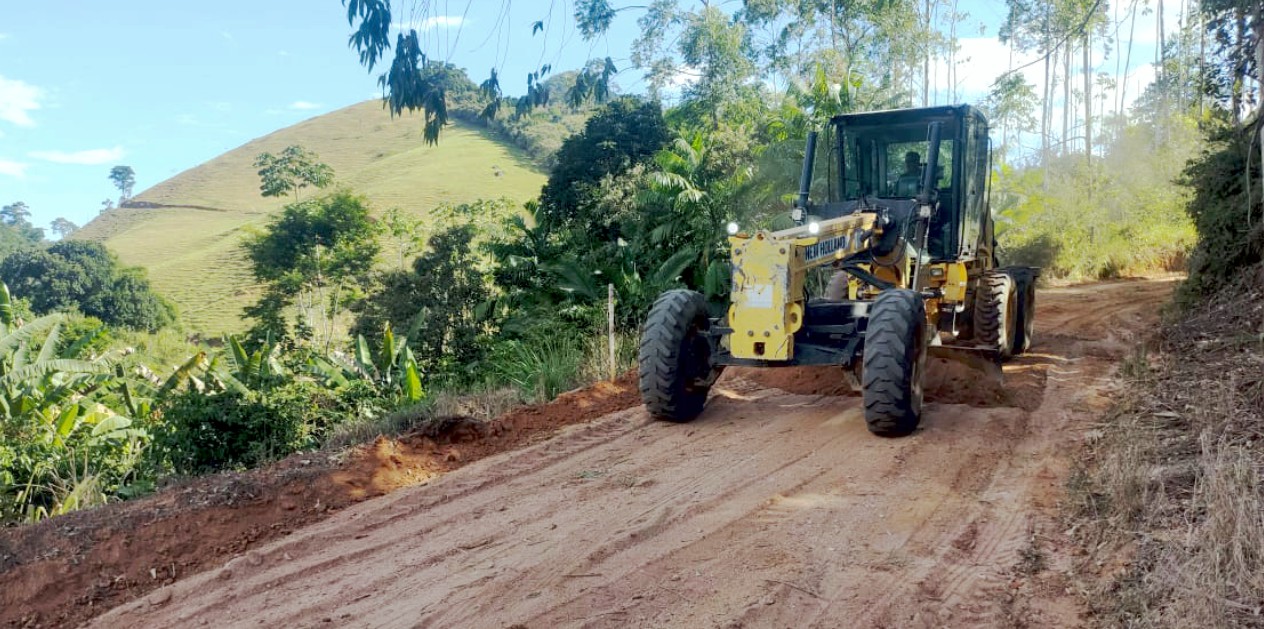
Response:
column 189, row 241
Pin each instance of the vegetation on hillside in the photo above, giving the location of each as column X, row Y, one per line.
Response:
column 381, row 159
column 1171, row 493
column 473, row 294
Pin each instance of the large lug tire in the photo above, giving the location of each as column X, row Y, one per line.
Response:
column 1026, row 328
column 675, row 359
column 837, row 289
column 996, row 310
column 893, row 363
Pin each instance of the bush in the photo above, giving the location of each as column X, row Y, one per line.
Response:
column 203, row 432
column 87, row 277
column 1227, row 212
column 540, row 365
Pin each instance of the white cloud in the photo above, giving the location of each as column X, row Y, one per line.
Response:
column 17, row 100
column 12, row 169
column 302, row 105
column 981, row 60
column 438, row 21
column 4, row 36
column 90, row 157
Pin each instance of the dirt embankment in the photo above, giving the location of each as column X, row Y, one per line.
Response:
column 69, row 569
column 775, row 508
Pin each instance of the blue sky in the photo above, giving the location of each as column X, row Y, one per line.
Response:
column 163, row 86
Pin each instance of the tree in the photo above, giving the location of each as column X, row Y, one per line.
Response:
column 17, row 216
column 124, row 178
column 406, row 234
column 1011, row 106
column 313, row 256
column 415, row 82
column 624, row 133
column 291, row 171
column 15, row 213
column 63, row 227
column 435, row 304
column 85, row 276
column 107, row 205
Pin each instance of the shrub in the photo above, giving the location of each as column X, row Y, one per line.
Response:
column 85, row 276
column 1227, row 212
column 540, row 365
column 203, row 432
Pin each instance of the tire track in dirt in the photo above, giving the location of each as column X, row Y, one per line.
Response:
column 772, row 509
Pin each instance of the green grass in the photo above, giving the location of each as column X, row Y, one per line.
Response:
column 193, row 255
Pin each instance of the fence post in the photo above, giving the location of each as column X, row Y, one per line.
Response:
column 610, row 324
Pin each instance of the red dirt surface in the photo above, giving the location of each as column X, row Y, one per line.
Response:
column 775, row 508
column 64, row 571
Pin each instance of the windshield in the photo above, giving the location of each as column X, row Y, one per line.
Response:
column 889, row 161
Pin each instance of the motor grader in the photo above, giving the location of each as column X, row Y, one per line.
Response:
column 906, row 237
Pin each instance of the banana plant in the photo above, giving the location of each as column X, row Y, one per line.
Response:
column 390, row 370
column 252, row 371
column 55, row 417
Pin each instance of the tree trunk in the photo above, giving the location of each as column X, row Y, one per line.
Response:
column 1239, row 68
column 926, row 58
column 1088, row 99
column 1202, row 58
column 1047, row 95
column 952, row 55
column 1123, row 88
column 1258, row 25
column 1067, row 106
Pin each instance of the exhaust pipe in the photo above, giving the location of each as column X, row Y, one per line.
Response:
column 805, row 179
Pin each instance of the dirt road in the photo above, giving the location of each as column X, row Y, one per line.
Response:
column 775, row 508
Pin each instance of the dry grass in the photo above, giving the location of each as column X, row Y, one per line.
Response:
column 192, row 255
column 481, row 405
column 1169, row 504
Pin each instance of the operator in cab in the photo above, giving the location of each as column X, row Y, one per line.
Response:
column 909, row 182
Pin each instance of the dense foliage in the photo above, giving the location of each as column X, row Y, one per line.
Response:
column 85, row 277
column 313, row 256
column 1227, row 208
column 488, row 294
column 438, row 303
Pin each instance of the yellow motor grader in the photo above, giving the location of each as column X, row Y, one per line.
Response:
column 907, row 234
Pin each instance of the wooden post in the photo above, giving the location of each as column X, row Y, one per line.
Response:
column 610, row 325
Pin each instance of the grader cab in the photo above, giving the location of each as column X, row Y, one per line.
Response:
column 906, row 236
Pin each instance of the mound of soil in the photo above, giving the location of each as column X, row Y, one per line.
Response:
column 69, row 569
column 959, row 380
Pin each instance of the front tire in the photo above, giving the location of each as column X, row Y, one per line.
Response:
column 675, row 358
column 894, row 359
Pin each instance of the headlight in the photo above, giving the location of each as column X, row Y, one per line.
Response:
column 814, row 228
column 732, row 228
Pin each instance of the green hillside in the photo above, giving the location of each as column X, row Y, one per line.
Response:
column 190, row 244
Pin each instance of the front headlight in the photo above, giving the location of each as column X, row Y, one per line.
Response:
column 732, row 228
column 814, row 228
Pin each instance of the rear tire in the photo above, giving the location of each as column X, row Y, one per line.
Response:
column 675, row 358
column 894, row 359
column 1026, row 327
column 996, row 312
